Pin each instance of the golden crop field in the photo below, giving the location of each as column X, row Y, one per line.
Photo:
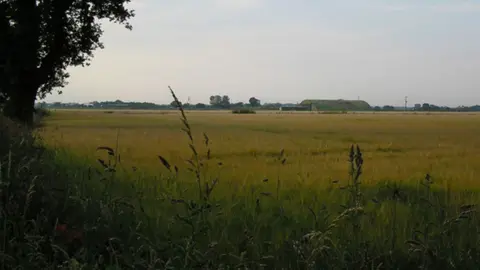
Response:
column 263, row 211
column 396, row 147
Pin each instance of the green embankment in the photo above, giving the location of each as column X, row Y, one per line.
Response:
column 337, row 105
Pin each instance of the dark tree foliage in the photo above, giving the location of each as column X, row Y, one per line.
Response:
column 254, row 102
column 218, row 101
column 175, row 104
column 200, row 106
column 41, row 38
column 388, row 108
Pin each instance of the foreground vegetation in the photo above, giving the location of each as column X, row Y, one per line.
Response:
column 404, row 199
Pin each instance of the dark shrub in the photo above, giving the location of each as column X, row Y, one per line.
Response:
column 244, row 111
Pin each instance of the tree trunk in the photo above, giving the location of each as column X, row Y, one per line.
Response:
column 23, row 90
column 20, row 105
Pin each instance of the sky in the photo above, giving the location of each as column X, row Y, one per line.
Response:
column 288, row 50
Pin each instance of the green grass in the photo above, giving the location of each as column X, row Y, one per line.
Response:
column 265, row 191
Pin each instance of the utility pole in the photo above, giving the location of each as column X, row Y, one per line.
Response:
column 406, row 102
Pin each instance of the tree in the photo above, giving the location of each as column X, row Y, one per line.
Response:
column 426, row 107
column 6, row 35
column 175, row 104
column 238, row 105
column 43, row 39
column 271, row 106
column 200, row 106
column 216, row 101
column 388, row 108
column 254, row 102
column 225, row 101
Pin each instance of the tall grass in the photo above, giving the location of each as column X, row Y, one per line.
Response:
column 59, row 211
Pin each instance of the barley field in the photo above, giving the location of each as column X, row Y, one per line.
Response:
column 397, row 147
column 285, row 191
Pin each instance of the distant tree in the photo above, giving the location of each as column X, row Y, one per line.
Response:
column 39, row 40
column 271, row 106
column 254, row 102
column 238, row 105
column 388, row 108
column 225, row 101
column 377, row 108
column 417, row 107
column 200, row 106
column 475, row 108
column 175, row 104
column 425, row 107
column 216, row 101
column 42, row 104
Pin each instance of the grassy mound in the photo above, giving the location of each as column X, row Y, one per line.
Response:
column 337, row 105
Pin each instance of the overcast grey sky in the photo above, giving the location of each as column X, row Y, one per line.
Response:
column 289, row 50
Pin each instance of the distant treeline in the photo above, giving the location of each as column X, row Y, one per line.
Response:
column 426, row 107
column 118, row 104
column 224, row 103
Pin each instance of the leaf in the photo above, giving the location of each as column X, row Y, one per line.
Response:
column 185, row 123
column 193, row 149
column 207, row 140
column 191, row 163
column 109, row 150
column 467, row 207
column 165, row 162
column 102, row 163
column 110, row 170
